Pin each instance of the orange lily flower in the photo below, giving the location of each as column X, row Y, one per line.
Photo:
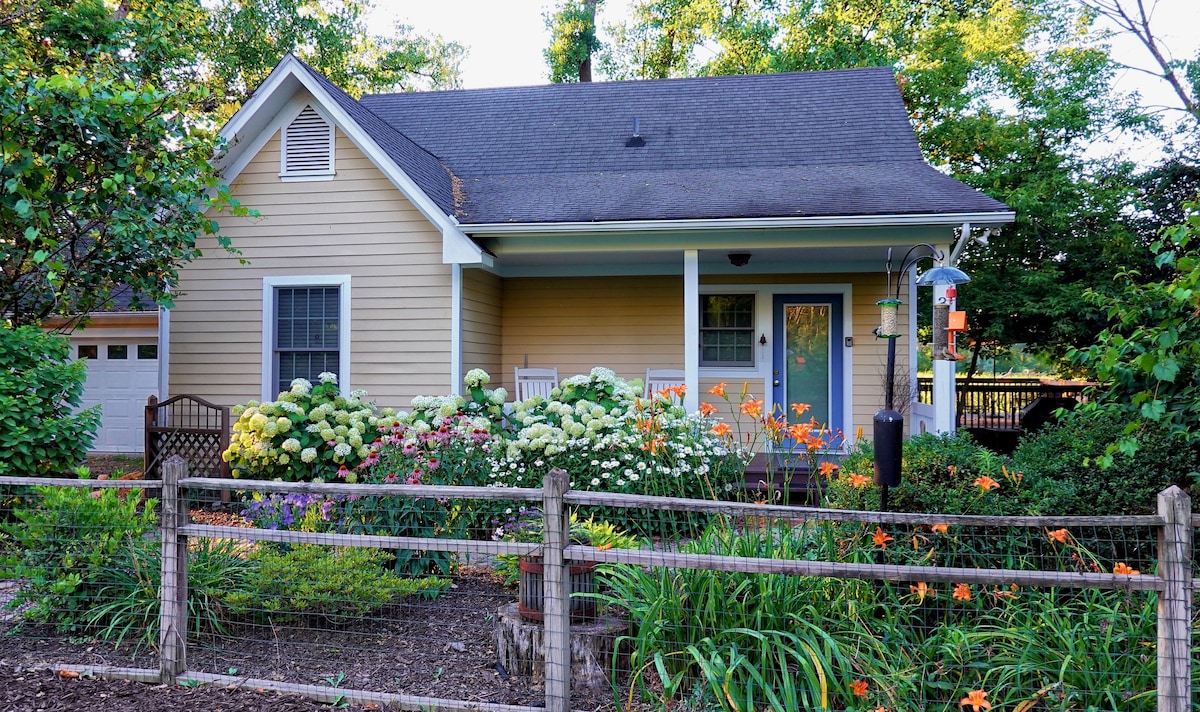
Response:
column 707, row 409
column 752, row 408
column 940, row 528
column 962, row 592
column 800, row 409
column 827, row 468
column 977, row 699
column 718, row 390
column 1062, row 536
column 721, row 430
column 859, row 481
column 1123, row 569
column 859, row 687
column 881, row 538
column 923, row 590
column 986, row 483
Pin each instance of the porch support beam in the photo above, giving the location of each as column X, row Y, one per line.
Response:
column 691, row 329
column 944, row 368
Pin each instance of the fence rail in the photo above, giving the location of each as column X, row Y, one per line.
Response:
column 1173, row 581
column 1000, row 403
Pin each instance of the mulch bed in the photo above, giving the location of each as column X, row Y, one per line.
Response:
column 441, row 648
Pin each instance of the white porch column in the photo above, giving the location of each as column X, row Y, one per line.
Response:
column 456, row 309
column 943, row 379
column 691, row 329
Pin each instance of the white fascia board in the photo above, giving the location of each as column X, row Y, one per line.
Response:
column 462, row 249
column 955, row 219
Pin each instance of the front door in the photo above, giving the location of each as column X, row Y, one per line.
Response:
column 807, row 358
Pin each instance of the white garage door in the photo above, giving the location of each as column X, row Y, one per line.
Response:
column 121, row 374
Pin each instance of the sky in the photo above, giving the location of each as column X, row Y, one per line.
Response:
column 506, row 38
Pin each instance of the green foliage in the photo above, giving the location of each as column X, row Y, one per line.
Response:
column 573, row 41
column 1067, row 457
column 1148, row 359
column 244, row 40
column 69, row 539
column 40, row 388
column 128, row 604
column 311, row 433
column 325, row 583
column 107, row 177
column 530, row 527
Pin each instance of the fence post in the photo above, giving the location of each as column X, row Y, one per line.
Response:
column 172, row 592
column 556, row 592
column 1175, row 602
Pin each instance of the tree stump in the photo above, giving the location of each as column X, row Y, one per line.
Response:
column 519, row 646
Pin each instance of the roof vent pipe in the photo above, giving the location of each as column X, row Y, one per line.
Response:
column 636, row 141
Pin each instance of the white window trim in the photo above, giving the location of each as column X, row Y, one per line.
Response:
column 268, row 325
column 293, row 176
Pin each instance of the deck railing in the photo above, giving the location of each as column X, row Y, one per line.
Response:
column 998, row 403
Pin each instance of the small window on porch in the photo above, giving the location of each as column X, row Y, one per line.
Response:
column 727, row 330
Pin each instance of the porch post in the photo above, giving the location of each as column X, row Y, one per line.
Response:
column 691, row 329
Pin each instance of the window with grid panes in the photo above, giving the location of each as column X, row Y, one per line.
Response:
column 307, row 322
column 727, row 330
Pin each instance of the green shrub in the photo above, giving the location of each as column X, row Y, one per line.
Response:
column 529, row 526
column 1066, row 456
column 67, row 540
column 331, row 583
column 40, row 388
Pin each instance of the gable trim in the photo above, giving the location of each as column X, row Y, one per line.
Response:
column 457, row 248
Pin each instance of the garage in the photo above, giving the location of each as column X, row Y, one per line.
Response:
column 121, row 375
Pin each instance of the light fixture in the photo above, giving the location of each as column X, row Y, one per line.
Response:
column 739, row 259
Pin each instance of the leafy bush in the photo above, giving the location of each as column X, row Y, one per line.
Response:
column 310, row 433
column 332, row 583
column 529, row 526
column 1067, row 457
column 68, row 539
column 40, row 432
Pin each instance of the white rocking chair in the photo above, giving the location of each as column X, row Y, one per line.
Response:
column 535, row 382
column 659, row 378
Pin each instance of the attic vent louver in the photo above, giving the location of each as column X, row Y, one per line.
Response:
column 636, row 140
column 308, row 146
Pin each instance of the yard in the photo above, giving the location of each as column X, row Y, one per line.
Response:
column 360, row 574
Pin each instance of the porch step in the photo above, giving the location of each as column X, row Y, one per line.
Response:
column 800, row 490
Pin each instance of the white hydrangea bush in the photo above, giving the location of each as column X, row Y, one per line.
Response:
column 308, row 433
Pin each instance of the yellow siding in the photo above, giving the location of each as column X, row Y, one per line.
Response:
column 627, row 324
column 481, row 323
column 357, row 224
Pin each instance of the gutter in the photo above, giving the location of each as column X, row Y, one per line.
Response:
column 954, row 219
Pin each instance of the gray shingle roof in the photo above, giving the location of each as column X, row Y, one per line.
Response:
column 773, row 145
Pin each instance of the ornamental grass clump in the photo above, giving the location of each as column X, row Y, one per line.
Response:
column 309, row 433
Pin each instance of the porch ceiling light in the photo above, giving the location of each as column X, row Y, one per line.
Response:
column 739, row 259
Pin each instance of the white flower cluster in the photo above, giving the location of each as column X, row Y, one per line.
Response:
column 477, row 378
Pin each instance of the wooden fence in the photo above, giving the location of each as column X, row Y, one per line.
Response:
column 1173, row 581
column 1000, row 403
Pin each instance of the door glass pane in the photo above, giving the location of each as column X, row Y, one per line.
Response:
column 806, row 360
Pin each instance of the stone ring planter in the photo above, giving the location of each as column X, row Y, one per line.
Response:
column 530, row 601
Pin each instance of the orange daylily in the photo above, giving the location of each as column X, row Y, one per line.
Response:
column 752, row 408
column 986, row 483
column 859, row 481
column 962, row 592
column 707, row 409
column 859, row 687
column 1123, row 569
column 800, row 409
column 721, row 430
column 718, row 390
column 923, row 590
column 827, row 468
column 881, row 538
column 977, row 699
column 1062, row 536
column 940, row 528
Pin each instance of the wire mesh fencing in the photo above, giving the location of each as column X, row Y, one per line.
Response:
column 506, row 599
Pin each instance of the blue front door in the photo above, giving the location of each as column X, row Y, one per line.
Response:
column 807, row 357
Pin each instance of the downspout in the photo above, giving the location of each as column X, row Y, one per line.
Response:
column 691, row 330
column 456, row 325
column 164, row 353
